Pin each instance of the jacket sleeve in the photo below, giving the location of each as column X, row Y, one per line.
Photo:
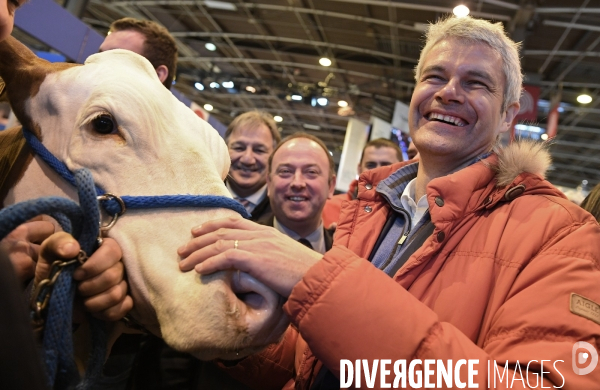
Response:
column 347, row 309
column 270, row 369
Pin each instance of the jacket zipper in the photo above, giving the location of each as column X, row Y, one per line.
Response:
column 401, row 239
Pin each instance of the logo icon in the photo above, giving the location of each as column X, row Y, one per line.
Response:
column 579, row 357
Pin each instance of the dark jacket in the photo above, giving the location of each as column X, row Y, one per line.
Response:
column 262, row 210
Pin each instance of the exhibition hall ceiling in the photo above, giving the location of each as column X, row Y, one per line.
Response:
column 270, row 50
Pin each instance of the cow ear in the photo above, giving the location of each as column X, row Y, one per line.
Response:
column 23, row 72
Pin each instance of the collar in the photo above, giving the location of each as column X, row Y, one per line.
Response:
column 254, row 199
column 392, row 187
column 396, row 186
column 316, row 238
column 416, row 209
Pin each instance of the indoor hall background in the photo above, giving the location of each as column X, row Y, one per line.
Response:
column 270, row 50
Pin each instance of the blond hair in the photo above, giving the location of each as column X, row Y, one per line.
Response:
column 482, row 31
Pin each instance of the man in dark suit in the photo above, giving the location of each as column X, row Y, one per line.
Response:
column 300, row 179
column 251, row 138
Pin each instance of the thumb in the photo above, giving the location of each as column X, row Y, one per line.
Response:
column 59, row 246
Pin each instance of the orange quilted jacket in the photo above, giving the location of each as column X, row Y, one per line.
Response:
column 496, row 281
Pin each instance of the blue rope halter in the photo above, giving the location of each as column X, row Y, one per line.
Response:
column 112, row 206
column 83, row 222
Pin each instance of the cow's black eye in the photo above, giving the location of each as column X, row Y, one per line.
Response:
column 104, row 124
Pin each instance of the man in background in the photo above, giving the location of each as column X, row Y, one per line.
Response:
column 379, row 152
column 251, row 138
column 300, row 179
column 148, row 39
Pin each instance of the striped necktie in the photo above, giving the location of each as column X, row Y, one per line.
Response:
column 245, row 202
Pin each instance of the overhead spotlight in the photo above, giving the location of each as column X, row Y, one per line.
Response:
column 311, row 127
column 214, row 85
column 544, row 136
column 210, row 46
column 227, row 84
column 278, row 119
column 297, row 97
column 208, row 107
column 223, row 5
column 343, row 103
column 584, row 98
column 322, row 101
column 460, row 11
column 251, row 89
column 199, row 86
column 325, row 61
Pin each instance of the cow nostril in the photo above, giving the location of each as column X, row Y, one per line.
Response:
column 250, row 291
column 252, row 299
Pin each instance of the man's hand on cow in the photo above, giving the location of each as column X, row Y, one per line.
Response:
column 101, row 277
column 263, row 252
column 23, row 246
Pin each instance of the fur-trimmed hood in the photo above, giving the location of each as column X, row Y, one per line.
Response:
column 521, row 156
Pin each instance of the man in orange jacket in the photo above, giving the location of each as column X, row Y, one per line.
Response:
column 476, row 264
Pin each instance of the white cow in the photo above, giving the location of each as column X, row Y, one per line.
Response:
column 113, row 116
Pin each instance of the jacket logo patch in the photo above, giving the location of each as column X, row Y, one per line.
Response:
column 585, row 308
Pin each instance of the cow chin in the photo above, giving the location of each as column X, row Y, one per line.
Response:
column 226, row 315
column 240, row 316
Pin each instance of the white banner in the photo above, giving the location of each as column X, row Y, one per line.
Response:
column 354, row 142
column 400, row 117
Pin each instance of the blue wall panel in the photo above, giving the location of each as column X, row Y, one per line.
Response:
column 53, row 25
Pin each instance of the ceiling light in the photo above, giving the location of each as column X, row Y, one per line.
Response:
column 199, row 86
column 227, row 84
column 343, row 103
column 325, row 61
column 322, row 101
column 296, row 97
column 544, row 136
column 250, row 89
column 220, row 5
column 311, row 127
column 210, row 46
column 214, row 85
column 208, row 107
column 277, row 118
column 460, row 11
column 584, row 98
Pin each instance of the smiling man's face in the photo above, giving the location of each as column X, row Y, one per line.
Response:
column 299, row 184
column 456, row 108
column 249, row 149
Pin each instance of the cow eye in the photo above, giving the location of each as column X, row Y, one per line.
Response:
column 104, row 124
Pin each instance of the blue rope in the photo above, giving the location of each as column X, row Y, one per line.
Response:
column 164, row 201
column 136, row 202
column 83, row 223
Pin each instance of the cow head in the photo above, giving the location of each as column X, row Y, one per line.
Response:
column 113, row 116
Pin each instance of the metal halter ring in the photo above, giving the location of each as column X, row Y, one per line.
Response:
column 109, row 196
column 235, row 244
